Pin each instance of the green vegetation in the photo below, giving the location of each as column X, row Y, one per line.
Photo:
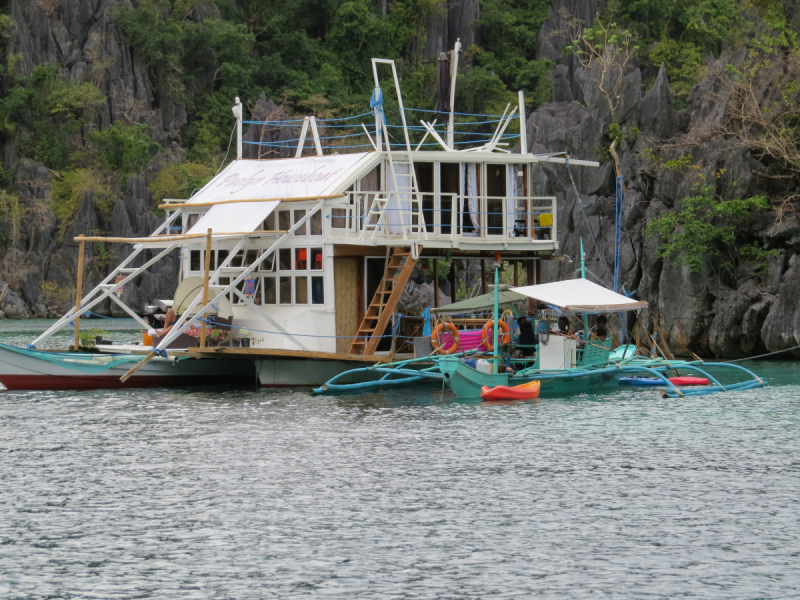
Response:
column 706, row 227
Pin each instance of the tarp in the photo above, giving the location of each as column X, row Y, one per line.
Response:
column 241, row 217
column 479, row 303
column 580, row 296
column 287, row 178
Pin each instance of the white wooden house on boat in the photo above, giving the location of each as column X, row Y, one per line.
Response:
column 313, row 252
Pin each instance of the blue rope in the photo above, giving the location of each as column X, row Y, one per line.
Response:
column 617, row 229
column 456, row 113
column 301, row 120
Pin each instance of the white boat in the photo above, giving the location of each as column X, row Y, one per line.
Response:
column 314, row 252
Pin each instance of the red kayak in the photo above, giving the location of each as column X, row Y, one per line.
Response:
column 688, row 381
column 525, row 391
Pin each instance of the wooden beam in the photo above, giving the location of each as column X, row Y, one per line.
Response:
column 218, row 202
column 172, row 238
column 516, row 269
column 79, row 293
column 483, row 276
column 372, row 359
column 436, row 283
column 205, row 288
column 140, row 364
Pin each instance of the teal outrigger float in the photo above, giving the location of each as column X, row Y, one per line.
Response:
column 561, row 365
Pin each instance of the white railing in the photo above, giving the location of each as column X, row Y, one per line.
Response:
column 450, row 216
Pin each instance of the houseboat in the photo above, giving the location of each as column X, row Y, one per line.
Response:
column 311, row 254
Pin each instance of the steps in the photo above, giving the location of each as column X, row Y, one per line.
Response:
column 379, row 312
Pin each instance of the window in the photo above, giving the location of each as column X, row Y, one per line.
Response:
column 284, row 220
column 301, row 290
column 270, row 291
column 191, row 222
column 225, row 282
column 339, row 218
column 300, row 259
column 316, row 259
column 316, row 223
column 285, row 259
column 222, row 256
column 448, row 184
column 212, row 263
column 317, row 290
column 286, row 290
column 250, row 257
column 269, row 223
column 194, row 260
column 237, row 260
column 268, row 264
column 299, row 214
column 424, row 173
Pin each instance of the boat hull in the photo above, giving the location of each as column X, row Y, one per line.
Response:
column 22, row 369
column 466, row 382
column 304, row 372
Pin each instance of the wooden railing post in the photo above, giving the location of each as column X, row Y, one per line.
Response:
column 205, row 288
column 78, row 295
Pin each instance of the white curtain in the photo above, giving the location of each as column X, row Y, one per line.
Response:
column 397, row 202
column 469, row 179
column 511, row 199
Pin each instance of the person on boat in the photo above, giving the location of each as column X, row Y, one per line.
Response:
column 527, row 339
column 600, row 332
column 563, row 326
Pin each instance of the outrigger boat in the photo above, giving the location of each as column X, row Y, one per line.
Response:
column 312, row 252
column 564, row 364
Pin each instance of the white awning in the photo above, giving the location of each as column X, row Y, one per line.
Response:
column 281, row 178
column 580, row 296
column 238, row 217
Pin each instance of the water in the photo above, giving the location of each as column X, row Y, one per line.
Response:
column 241, row 493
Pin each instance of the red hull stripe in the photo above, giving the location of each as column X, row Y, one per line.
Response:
column 105, row 382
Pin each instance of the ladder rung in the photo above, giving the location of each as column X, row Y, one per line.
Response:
column 127, row 270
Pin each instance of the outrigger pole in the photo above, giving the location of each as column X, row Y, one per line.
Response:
column 498, row 260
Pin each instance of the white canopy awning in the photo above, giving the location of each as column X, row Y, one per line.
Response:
column 580, row 296
column 239, row 217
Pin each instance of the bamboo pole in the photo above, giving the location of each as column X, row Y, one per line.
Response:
column 483, row 276
column 138, row 366
column 79, row 294
column 218, row 202
column 436, row 283
column 205, row 288
column 169, row 238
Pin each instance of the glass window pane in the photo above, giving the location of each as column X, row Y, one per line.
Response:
column 194, row 260
column 250, row 257
column 286, row 290
column 269, row 223
column 316, row 223
column 299, row 214
column 269, row 290
column 316, row 259
column 317, row 291
column 285, row 259
column 284, row 220
column 222, row 255
column 301, row 290
column 300, row 259
column 339, row 218
column 237, row 260
column 268, row 264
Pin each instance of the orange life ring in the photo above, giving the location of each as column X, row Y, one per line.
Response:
column 452, row 330
column 486, row 338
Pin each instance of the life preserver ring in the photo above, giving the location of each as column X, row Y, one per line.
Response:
column 486, row 337
column 452, row 330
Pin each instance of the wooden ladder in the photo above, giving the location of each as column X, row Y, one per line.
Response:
column 380, row 310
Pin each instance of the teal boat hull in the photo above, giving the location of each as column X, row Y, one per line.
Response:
column 466, row 382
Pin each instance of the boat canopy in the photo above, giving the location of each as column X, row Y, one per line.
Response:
column 580, row 296
column 479, row 303
column 244, row 182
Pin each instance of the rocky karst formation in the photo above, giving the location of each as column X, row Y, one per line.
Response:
column 701, row 312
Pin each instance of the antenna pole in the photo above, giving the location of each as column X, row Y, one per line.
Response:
column 523, row 127
column 453, row 74
column 237, row 111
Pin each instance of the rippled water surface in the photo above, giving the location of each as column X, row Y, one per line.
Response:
column 244, row 494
